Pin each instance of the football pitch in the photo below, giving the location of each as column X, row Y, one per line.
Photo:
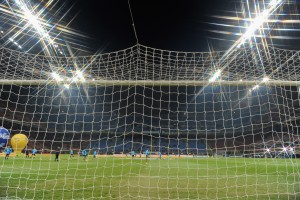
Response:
column 169, row 178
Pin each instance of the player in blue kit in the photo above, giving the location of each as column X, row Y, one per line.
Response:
column 84, row 154
column 7, row 151
column 147, row 154
column 71, row 153
column 95, row 153
column 33, row 152
column 132, row 153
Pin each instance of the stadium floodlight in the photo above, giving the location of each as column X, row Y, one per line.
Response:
column 274, row 2
column 284, row 149
column 56, row 76
column 67, row 86
column 258, row 22
column 80, row 75
column 215, row 76
column 265, row 79
column 32, row 19
column 75, row 79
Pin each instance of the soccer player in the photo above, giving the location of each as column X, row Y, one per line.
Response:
column 71, row 153
column 27, row 153
column 33, row 152
column 147, row 154
column 83, row 153
column 57, row 152
column 95, row 153
column 132, row 153
column 8, row 151
column 159, row 153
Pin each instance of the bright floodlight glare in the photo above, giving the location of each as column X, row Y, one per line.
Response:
column 67, row 86
column 80, row 75
column 255, row 87
column 215, row 76
column 75, row 79
column 267, row 150
column 259, row 21
column 284, row 149
column 33, row 20
column 56, row 76
column 274, row 2
column 266, row 79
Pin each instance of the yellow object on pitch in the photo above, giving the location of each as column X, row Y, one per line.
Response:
column 19, row 142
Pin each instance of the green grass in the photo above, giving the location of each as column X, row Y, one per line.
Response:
column 123, row 178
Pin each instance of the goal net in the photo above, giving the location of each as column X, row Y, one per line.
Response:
column 225, row 128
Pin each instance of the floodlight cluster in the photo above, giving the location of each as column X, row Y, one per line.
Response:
column 34, row 21
column 259, row 21
column 78, row 76
column 215, row 76
column 284, row 149
column 264, row 80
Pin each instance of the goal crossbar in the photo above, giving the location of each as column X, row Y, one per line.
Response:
column 152, row 82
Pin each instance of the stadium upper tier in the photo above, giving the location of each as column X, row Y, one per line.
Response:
column 145, row 65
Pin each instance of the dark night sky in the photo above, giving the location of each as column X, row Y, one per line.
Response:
column 168, row 24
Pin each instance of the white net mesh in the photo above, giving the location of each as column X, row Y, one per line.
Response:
column 233, row 138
